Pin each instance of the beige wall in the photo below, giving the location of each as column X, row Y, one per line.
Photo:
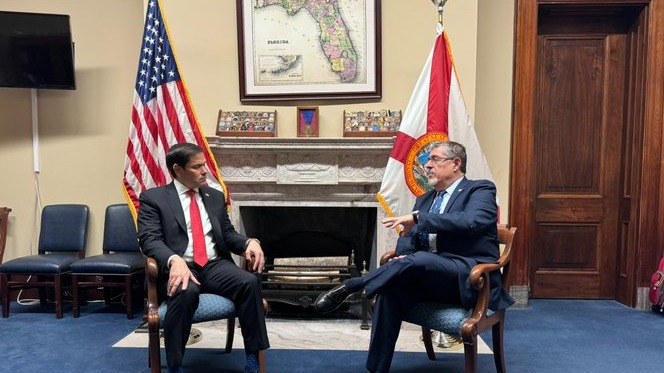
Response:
column 83, row 133
column 493, row 102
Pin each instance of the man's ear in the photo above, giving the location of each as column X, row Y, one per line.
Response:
column 177, row 169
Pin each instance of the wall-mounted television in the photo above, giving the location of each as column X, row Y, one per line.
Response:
column 36, row 51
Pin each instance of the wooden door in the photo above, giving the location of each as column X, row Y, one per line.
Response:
column 587, row 177
column 579, row 127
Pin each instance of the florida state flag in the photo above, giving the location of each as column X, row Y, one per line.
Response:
column 436, row 112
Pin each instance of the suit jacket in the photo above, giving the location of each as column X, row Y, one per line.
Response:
column 162, row 228
column 466, row 231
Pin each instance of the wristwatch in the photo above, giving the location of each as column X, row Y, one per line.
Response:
column 416, row 215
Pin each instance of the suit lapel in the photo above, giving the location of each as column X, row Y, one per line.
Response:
column 174, row 203
column 426, row 201
column 210, row 208
column 457, row 192
column 207, row 201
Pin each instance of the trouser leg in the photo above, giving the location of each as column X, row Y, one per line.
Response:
column 391, row 305
column 249, row 304
column 434, row 276
column 406, row 282
column 177, row 323
column 243, row 288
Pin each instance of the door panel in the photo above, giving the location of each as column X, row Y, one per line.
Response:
column 578, row 129
column 575, row 265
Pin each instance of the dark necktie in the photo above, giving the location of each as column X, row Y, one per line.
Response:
column 200, row 252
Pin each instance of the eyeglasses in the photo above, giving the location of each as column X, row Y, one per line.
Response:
column 436, row 160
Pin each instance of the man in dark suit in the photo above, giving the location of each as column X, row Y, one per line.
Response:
column 451, row 228
column 194, row 249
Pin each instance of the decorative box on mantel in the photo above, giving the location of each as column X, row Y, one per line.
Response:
column 305, row 172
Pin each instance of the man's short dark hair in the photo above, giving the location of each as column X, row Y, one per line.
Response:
column 181, row 154
column 453, row 150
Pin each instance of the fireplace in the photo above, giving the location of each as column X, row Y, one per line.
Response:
column 308, row 198
column 291, row 232
column 310, row 250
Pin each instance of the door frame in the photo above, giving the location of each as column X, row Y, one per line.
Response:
column 646, row 231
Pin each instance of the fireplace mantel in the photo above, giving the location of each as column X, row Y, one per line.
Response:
column 302, row 144
column 334, row 169
column 302, row 172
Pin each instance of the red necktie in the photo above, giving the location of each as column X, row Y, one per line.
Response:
column 200, row 252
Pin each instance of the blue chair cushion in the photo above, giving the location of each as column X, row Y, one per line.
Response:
column 446, row 318
column 115, row 263
column 53, row 263
column 210, row 307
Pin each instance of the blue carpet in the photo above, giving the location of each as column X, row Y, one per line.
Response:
column 583, row 336
column 549, row 336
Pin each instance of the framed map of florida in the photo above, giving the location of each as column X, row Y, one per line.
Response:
column 309, row 49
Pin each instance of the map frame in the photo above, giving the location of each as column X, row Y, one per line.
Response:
column 372, row 65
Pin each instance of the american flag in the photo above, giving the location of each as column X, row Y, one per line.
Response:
column 162, row 115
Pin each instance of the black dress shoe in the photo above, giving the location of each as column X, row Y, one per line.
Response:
column 332, row 299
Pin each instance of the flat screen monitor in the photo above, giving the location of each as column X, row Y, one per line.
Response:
column 36, row 51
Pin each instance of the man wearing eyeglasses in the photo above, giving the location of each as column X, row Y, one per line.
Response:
column 451, row 229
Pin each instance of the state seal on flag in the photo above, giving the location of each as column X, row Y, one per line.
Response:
column 418, row 154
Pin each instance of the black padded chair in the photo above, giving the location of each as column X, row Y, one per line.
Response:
column 121, row 265
column 62, row 240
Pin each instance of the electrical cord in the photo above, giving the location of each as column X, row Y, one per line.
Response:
column 35, row 215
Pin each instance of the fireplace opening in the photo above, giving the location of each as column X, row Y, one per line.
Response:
column 309, row 250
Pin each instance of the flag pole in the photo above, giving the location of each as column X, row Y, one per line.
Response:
column 439, row 5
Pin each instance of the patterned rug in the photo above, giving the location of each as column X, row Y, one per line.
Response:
column 306, row 335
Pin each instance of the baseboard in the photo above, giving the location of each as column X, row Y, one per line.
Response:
column 642, row 302
column 520, row 295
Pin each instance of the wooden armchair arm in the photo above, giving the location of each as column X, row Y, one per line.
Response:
column 480, row 281
column 152, row 270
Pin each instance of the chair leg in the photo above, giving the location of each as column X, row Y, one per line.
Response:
column 470, row 355
column 5, row 295
column 261, row 361
column 75, row 305
column 154, row 353
column 497, row 337
column 129, row 300
column 428, row 344
column 57, row 285
column 230, row 334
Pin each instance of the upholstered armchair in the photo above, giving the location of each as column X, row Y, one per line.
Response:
column 210, row 307
column 468, row 324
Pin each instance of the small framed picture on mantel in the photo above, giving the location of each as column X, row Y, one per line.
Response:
column 307, row 121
